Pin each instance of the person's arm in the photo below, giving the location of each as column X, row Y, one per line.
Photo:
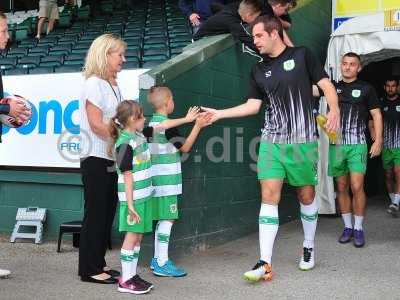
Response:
column 251, row 107
column 191, row 115
column 376, row 147
column 372, row 130
column 95, row 119
column 128, row 181
column 201, row 122
column 331, row 96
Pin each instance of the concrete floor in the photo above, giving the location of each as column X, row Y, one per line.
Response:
column 342, row 271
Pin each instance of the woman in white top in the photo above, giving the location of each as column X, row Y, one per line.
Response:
column 99, row 99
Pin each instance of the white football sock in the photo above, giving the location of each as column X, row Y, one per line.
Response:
column 268, row 224
column 358, row 222
column 163, row 234
column 127, row 259
column 347, row 220
column 309, row 218
column 396, row 199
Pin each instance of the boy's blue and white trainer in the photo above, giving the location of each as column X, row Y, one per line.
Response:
column 168, row 270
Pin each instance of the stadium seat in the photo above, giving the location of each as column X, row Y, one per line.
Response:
column 29, row 62
column 68, row 40
column 8, row 63
column 17, row 52
column 68, row 69
column 131, row 65
column 60, row 50
column 40, row 50
column 75, row 59
column 16, row 71
column 28, row 43
column 155, row 54
column 151, row 64
column 52, row 61
column 41, row 70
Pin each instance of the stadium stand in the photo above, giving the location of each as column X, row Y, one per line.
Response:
column 154, row 30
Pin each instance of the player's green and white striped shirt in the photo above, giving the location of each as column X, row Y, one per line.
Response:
column 166, row 162
column 141, row 167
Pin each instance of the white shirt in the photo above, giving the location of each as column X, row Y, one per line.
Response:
column 100, row 93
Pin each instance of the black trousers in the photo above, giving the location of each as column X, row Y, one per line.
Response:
column 101, row 197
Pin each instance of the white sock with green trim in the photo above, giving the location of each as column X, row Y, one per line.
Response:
column 127, row 260
column 396, row 199
column 156, row 241
column 309, row 217
column 163, row 234
column 391, row 196
column 136, row 252
column 268, row 224
column 347, row 220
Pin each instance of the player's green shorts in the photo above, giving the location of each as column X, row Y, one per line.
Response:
column 144, row 209
column 345, row 159
column 297, row 163
column 165, row 208
column 390, row 158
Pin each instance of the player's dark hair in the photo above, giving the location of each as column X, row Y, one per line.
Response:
column 392, row 79
column 353, row 54
column 270, row 23
column 293, row 3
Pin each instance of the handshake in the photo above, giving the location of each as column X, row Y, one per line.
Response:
column 19, row 111
column 202, row 116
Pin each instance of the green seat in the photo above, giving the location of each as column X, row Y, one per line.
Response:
column 29, row 62
column 155, row 54
column 60, row 50
column 16, row 71
column 65, row 19
column 52, row 61
column 8, row 63
column 17, row 52
column 83, row 13
column 41, row 70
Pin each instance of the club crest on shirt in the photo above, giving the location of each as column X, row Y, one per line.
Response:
column 339, row 91
column 268, row 74
column 385, row 108
column 289, row 65
column 398, row 108
column 173, row 208
column 356, row 93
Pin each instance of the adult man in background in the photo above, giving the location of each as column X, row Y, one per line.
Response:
column 391, row 142
column 235, row 17
column 14, row 109
column 198, row 11
column 348, row 158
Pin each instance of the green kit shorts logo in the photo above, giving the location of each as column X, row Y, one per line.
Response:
column 289, row 65
column 173, row 208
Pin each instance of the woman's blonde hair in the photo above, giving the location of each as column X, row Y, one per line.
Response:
column 96, row 58
column 125, row 110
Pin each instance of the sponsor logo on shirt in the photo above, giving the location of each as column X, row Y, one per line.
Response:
column 398, row 108
column 385, row 108
column 289, row 65
column 356, row 93
column 339, row 91
column 268, row 74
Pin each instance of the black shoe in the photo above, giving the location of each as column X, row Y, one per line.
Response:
column 145, row 283
column 110, row 280
column 113, row 273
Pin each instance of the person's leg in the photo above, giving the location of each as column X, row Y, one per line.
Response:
column 387, row 163
column 167, row 212
column 309, row 218
column 359, row 203
column 357, row 161
column 112, row 181
column 268, row 227
column 40, row 27
column 93, row 232
column 50, row 26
